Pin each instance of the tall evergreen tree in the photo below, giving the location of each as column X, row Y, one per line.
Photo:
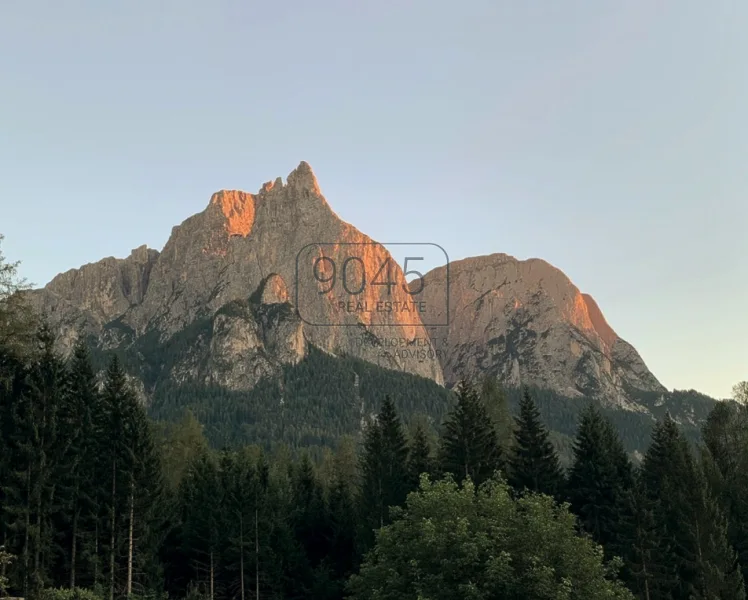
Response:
column 36, row 449
column 725, row 435
column 533, row 462
column 342, row 543
column 132, row 477
column 495, row 400
column 384, row 474
column 600, row 480
column 201, row 501
column 81, row 413
column 693, row 529
column 469, row 445
column 309, row 514
column 419, row 457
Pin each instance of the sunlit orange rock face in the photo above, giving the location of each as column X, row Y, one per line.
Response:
column 239, row 210
column 525, row 322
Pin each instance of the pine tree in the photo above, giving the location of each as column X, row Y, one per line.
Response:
column 384, row 472
column 419, row 457
column 600, row 479
column 469, row 446
column 79, row 416
column 533, row 462
column 342, row 541
column 201, row 498
column 495, row 400
column 309, row 514
column 147, row 513
column 36, row 445
column 693, row 530
column 647, row 570
column 725, row 455
column 133, row 483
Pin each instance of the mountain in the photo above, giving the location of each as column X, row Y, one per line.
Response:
column 252, row 265
column 274, row 320
column 525, row 322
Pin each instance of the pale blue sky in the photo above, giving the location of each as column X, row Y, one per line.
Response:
column 607, row 137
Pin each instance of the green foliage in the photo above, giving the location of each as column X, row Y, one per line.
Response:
column 311, row 404
column 17, row 321
column 420, row 459
column 5, row 559
column 469, row 446
column 725, row 460
column 600, row 480
column 69, row 594
column 96, row 498
column 692, row 529
column 384, row 472
column 533, row 462
column 495, row 400
column 452, row 542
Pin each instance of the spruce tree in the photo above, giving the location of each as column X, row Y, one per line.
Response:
column 533, row 462
column 693, row 530
column 133, row 484
column 725, row 455
column 342, row 542
column 38, row 448
column 647, row 570
column 469, row 445
column 495, row 400
column 419, row 457
column 79, row 416
column 600, row 479
column 384, row 474
column 309, row 513
column 201, row 499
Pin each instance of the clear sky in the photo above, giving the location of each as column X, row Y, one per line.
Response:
column 608, row 137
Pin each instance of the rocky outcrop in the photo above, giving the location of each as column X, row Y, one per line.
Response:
column 84, row 300
column 285, row 242
column 526, row 323
column 244, row 287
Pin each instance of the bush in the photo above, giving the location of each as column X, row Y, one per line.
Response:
column 68, row 594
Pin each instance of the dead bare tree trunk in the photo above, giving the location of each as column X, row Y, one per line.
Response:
column 73, row 548
column 112, row 531
column 130, row 541
column 211, row 575
column 241, row 553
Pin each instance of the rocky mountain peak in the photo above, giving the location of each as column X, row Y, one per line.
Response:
column 243, row 246
column 525, row 322
column 302, row 178
column 522, row 321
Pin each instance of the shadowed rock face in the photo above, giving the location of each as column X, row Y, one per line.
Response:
column 238, row 244
column 526, row 323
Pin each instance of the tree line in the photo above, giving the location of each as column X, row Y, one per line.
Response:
column 97, row 501
column 95, row 496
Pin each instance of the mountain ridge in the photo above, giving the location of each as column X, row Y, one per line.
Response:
column 521, row 321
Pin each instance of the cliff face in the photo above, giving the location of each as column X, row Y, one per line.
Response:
column 88, row 298
column 227, row 254
column 245, row 286
column 526, row 323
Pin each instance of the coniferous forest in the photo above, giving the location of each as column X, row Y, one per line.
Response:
column 98, row 500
